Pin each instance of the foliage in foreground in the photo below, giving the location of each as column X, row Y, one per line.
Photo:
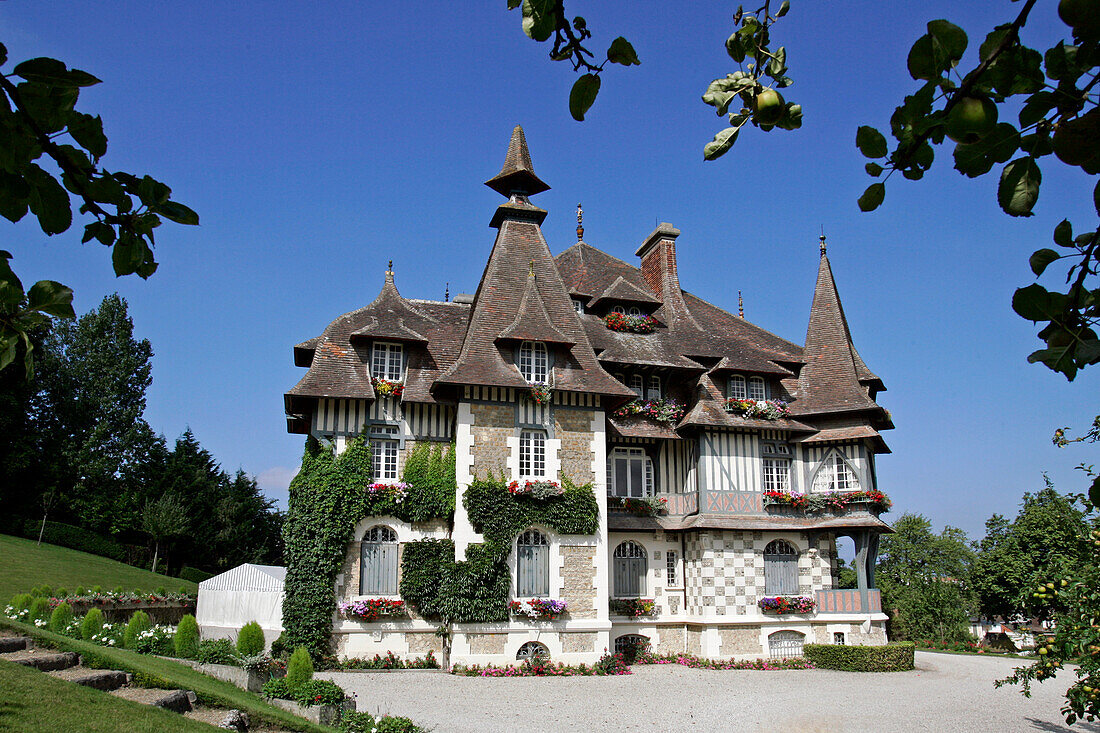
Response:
column 892, row 657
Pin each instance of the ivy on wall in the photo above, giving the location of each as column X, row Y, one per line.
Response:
column 475, row 590
column 430, row 472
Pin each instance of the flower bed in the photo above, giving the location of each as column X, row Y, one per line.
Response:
column 536, row 489
column 387, row 388
column 397, row 491
column 608, row 664
column 787, row 604
column 690, row 660
column 540, row 608
column 650, row 506
column 390, row 661
column 634, row 607
column 664, row 411
column 630, row 324
column 762, row 409
column 836, row 500
column 372, row 609
column 541, row 394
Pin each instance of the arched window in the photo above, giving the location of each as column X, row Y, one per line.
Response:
column 534, row 363
column 532, row 650
column 532, row 565
column 738, row 391
column 834, row 474
column 780, row 569
column 630, row 646
column 783, row 644
column 756, row 388
column 630, row 570
column 629, row 473
column 637, row 383
column 634, row 311
column 378, row 562
column 618, row 309
column 654, row 391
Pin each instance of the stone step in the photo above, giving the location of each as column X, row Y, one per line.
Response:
column 175, row 700
column 99, row 679
column 46, row 662
column 15, row 643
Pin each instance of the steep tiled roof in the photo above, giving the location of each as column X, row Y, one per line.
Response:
column 392, row 318
column 588, row 271
column 532, row 321
column 623, row 290
column 517, row 173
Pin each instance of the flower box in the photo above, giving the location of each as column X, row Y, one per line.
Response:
column 633, row 607
column 787, row 604
column 761, row 409
column 536, row 489
column 386, row 388
column 651, row 506
column 372, row 609
column 663, row 411
column 835, row 500
column 630, row 324
column 542, row 394
column 397, row 491
column 538, row 608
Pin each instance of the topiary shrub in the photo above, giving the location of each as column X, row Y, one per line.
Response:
column 40, row 609
column 250, row 639
column 81, row 591
column 62, row 592
column 186, row 642
column 45, row 591
column 216, row 651
column 21, row 602
column 138, row 622
column 97, row 589
column 299, row 669
column 91, row 624
column 118, row 590
column 61, row 618
column 161, row 591
column 896, row 656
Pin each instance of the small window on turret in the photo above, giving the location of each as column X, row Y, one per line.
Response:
column 534, row 363
column 578, row 306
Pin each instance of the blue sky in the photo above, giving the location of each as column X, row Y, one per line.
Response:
column 318, row 140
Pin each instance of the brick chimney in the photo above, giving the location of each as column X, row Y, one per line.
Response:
column 658, row 255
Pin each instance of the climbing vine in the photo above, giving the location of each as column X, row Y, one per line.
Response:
column 475, row 590
column 430, row 473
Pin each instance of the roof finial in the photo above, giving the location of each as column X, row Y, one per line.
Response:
column 740, row 305
column 389, row 272
column 580, row 223
column 531, row 269
column 447, row 293
column 822, row 238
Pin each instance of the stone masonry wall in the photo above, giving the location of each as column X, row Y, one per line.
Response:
column 487, row 643
column 739, row 640
column 670, row 640
column 493, row 425
column 574, row 428
column 584, row 641
column 422, row 642
column 579, row 580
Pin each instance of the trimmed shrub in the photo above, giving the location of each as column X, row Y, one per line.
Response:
column 161, row 591
column 81, row 590
column 97, row 589
column 250, row 639
column 279, row 648
column 76, row 538
column 91, row 624
column 896, row 656
column 145, row 679
column 216, row 651
column 194, row 574
column 187, row 637
column 62, row 593
column 45, row 591
column 138, row 622
column 318, row 692
column 21, row 602
column 299, row 669
column 61, row 617
column 118, row 590
column 40, row 609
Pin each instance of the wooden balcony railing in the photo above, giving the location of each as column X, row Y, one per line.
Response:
column 849, row 600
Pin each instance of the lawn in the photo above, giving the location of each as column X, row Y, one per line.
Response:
column 34, row 702
column 170, row 675
column 26, row 565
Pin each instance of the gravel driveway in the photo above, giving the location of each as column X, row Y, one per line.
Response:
column 946, row 693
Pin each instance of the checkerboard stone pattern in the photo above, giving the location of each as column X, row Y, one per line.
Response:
column 724, row 570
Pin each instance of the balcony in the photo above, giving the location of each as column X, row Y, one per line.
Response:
column 849, row 600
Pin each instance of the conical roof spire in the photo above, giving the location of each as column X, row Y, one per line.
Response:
column 517, row 174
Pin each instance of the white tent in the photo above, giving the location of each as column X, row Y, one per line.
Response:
column 246, row 593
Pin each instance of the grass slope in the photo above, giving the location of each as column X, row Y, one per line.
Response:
column 34, row 702
column 26, row 565
column 170, row 675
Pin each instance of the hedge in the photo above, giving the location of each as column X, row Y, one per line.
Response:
column 897, row 656
column 194, row 574
column 76, row 538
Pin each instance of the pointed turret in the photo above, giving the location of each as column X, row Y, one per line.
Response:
column 391, row 317
column 517, row 175
column 834, row 379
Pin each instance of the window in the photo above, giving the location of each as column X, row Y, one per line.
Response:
column 777, row 465
column 378, row 562
column 383, row 453
column 578, row 306
column 629, row 473
column 654, row 391
column 532, row 565
column 783, row 644
column 630, row 645
column 532, row 650
column 838, row 638
column 835, row 474
column 634, row 311
column 534, row 364
column 672, row 569
column 385, row 361
column 780, row 569
column 532, row 454
column 618, row 309
column 637, row 383
column 738, row 391
column 630, row 570
column 756, row 388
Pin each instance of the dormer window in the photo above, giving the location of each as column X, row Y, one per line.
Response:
column 534, row 362
column 654, row 390
column 386, row 361
column 578, row 306
column 756, row 388
column 637, row 384
column 751, row 388
column 737, row 388
column 633, row 311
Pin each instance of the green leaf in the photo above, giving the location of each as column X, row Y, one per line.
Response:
column 1000, row 144
column 783, row 9
column 51, row 297
column 53, row 73
column 873, row 169
column 1063, row 234
column 14, row 193
column 1058, row 359
column 1019, row 187
column 1037, row 107
column 1061, row 62
column 921, row 61
column 3, row 54
column 127, row 255
column 721, row 143
column 100, row 231
column 870, row 142
column 1036, row 303
column 513, row 4
column 539, row 18
column 1040, row 259
column 1096, row 197
column 7, row 349
column 735, row 48
column 872, row 198
column 178, row 213
column 48, row 201
column 621, row 52
column 1094, row 492
column 950, row 38
column 582, row 95
column 992, row 41
column 88, row 132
